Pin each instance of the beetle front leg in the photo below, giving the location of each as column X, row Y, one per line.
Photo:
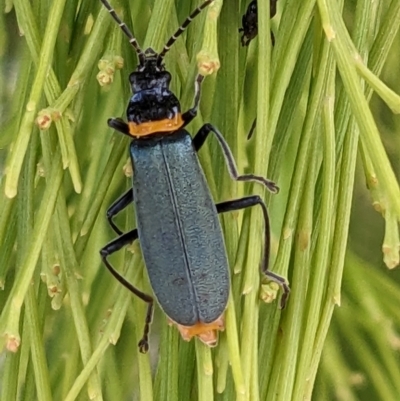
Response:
column 244, row 203
column 108, row 250
column 119, row 125
column 188, row 116
column 198, row 142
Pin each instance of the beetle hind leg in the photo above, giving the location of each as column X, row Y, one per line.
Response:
column 105, row 252
column 244, row 203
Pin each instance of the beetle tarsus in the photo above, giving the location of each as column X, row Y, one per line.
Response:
column 144, row 342
column 143, row 345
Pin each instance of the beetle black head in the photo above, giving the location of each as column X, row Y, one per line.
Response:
column 149, row 74
column 152, row 99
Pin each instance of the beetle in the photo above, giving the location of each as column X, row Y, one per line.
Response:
column 250, row 30
column 250, row 23
column 177, row 221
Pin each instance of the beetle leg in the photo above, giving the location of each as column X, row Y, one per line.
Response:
column 244, row 203
column 119, row 125
column 109, row 249
column 252, row 128
column 120, row 204
column 188, row 116
column 199, row 140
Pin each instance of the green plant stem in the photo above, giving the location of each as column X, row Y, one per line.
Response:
column 320, row 265
column 158, row 23
column 341, row 229
column 144, row 365
column 298, row 86
column 167, row 372
column 86, row 61
column 310, row 124
column 295, row 23
column 251, row 279
column 234, row 350
column 288, row 348
column 46, row 55
column 386, row 94
column 9, row 320
column 39, row 362
column 345, row 193
column 52, row 88
column 8, row 243
column 31, row 318
column 110, row 336
column 117, row 152
column 10, row 377
column 69, row 263
column 384, row 40
column 204, row 372
column 342, row 46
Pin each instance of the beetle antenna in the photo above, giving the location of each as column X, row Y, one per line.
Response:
column 181, row 29
column 125, row 30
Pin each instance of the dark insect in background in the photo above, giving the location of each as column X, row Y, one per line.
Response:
column 250, row 24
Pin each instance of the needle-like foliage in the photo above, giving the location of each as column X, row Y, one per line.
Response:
column 69, row 331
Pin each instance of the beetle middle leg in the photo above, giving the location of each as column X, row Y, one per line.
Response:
column 109, row 249
column 244, row 203
column 252, row 129
column 117, row 206
column 127, row 198
column 198, row 142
